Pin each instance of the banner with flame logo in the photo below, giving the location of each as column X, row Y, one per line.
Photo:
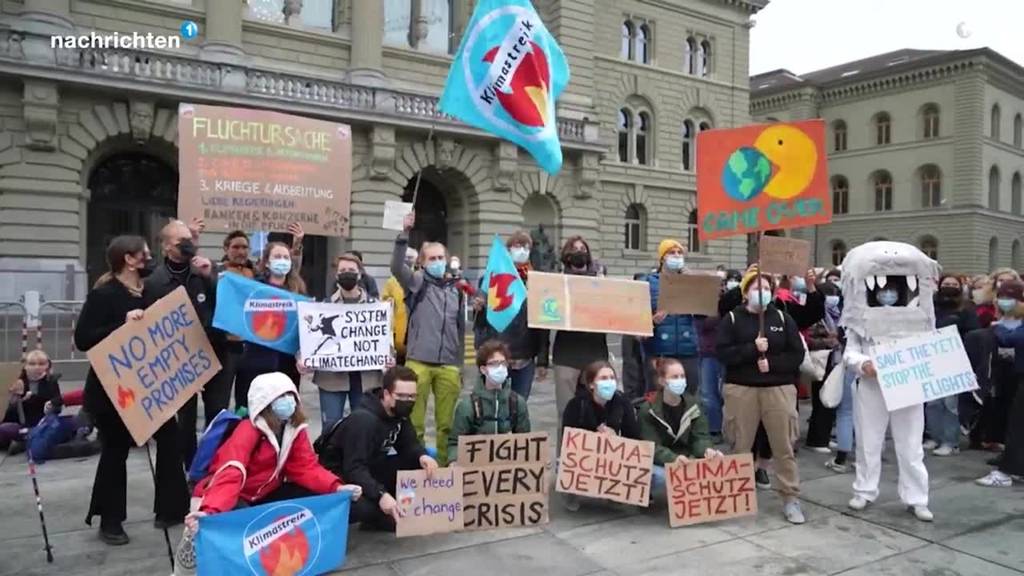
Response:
column 258, row 313
column 289, row 538
column 506, row 77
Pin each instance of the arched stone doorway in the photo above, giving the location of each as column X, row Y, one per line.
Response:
column 130, row 193
column 540, row 219
column 431, row 207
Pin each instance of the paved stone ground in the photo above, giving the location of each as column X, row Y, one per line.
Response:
column 977, row 532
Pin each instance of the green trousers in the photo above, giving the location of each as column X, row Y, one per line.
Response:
column 446, row 383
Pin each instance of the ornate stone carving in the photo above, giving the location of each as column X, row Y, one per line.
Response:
column 382, row 151
column 445, row 151
column 505, row 159
column 292, row 9
column 40, row 104
column 140, row 119
column 589, row 169
column 342, row 14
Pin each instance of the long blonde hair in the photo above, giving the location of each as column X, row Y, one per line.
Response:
column 293, row 281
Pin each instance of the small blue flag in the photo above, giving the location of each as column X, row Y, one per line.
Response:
column 506, row 291
column 506, row 77
column 301, row 536
column 258, row 313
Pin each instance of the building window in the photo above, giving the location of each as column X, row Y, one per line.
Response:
column 883, row 129
column 625, row 122
column 1016, row 259
column 704, row 59
column 690, row 64
column 643, row 44
column 1015, row 199
column 993, row 188
column 693, row 234
column 840, row 195
column 997, row 119
column 993, row 253
column 705, row 125
column 688, row 136
column 1018, row 128
column 883, row 191
column 930, row 247
column 642, row 127
column 635, row 227
column 931, row 187
column 838, row 252
column 839, row 136
column 626, row 51
column 930, row 119
column 429, row 30
column 267, row 10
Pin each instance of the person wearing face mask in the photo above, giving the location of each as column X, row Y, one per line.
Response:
column 525, row 344
column 367, row 282
column 826, row 336
column 435, row 341
column 394, row 293
column 675, row 335
column 761, row 372
column 492, row 407
column 34, row 394
column 376, row 441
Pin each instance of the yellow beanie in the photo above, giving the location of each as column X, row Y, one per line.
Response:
column 749, row 277
column 667, row 245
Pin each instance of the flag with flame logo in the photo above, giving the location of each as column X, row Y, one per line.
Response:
column 258, row 312
column 287, row 538
column 506, row 77
column 506, row 291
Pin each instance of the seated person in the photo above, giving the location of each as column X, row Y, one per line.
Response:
column 35, row 393
column 492, row 407
column 373, row 444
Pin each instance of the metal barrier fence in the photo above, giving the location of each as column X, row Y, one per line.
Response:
column 52, row 329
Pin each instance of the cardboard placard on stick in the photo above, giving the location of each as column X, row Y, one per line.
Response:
column 395, row 213
column 151, row 367
column 345, row 337
column 689, row 294
column 505, row 479
column 789, row 256
column 580, row 303
column 430, row 505
column 605, row 467
column 711, row 489
column 9, row 373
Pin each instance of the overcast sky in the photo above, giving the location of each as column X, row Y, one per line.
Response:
column 807, row 35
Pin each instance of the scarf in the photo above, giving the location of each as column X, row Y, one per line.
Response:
column 524, row 270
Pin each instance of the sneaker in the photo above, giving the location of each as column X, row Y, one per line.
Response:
column 185, row 554
column 762, row 480
column 819, row 449
column 114, row 536
column 930, row 444
column 995, row 479
column 946, row 450
column 571, row 502
column 858, row 503
column 793, row 513
column 836, row 467
column 922, row 513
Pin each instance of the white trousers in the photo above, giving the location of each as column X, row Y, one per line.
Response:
column 871, row 420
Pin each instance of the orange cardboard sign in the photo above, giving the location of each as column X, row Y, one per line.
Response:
column 710, row 489
column 605, row 467
column 581, row 304
column 762, row 177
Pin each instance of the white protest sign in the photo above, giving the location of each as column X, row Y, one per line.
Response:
column 345, row 337
column 395, row 213
column 923, row 367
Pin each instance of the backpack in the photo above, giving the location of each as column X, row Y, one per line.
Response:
column 321, row 443
column 513, row 411
column 216, row 434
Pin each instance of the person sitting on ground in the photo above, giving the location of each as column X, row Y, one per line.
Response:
column 493, row 407
column 373, row 444
column 37, row 392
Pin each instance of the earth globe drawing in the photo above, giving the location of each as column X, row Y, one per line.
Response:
column 746, row 173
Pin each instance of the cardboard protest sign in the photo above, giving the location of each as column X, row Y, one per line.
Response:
column 789, row 256
column 923, row 367
column 762, row 177
column 301, row 536
column 258, row 312
column 345, row 337
column 395, row 213
column 689, row 293
column 505, row 479
column 260, row 170
column 580, row 303
column 151, row 367
column 711, row 489
column 431, row 506
column 606, row 467
column 9, row 373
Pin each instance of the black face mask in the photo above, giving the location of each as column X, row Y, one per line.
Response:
column 348, row 280
column 950, row 293
column 403, row 408
column 577, row 259
column 147, row 269
column 188, row 249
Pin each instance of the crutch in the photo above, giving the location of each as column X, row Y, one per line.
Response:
column 35, row 486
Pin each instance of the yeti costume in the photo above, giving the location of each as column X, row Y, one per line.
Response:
column 868, row 271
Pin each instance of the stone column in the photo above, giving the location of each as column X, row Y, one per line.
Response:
column 223, row 32
column 367, row 65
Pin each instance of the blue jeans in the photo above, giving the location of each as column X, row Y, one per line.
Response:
column 522, row 379
column 711, row 392
column 658, row 482
column 332, row 404
column 844, row 415
column 944, row 421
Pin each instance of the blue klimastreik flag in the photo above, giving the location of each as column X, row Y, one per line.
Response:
column 506, row 77
column 301, row 536
column 506, row 291
column 258, row 313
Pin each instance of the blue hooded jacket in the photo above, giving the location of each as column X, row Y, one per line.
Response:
column 678, row 335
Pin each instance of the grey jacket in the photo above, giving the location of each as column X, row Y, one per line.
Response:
column 437, row 327
column 339, row 381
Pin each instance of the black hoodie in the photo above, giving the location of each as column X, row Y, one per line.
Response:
column 357, row 449
column 738, row 354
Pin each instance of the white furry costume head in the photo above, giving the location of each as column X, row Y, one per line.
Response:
column 870, row 268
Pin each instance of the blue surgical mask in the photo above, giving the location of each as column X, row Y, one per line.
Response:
column 436, row 268
column 520, row 255
column 280, row 267
column 675, row 263
column 798, row 285
column 832, row 301
column 606, row 389
column 283, row 406
column 1006, row 304
column 497, row 374
column 677, row 386
column 888, row 297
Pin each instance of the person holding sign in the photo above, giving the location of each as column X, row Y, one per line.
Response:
column 762, row 368
column 118, row 298
column 675, row 335
column 493, row 407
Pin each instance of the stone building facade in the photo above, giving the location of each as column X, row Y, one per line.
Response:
column 925, row 147
column 88, row 134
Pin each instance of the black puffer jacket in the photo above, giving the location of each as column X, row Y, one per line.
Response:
column 617, row 414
